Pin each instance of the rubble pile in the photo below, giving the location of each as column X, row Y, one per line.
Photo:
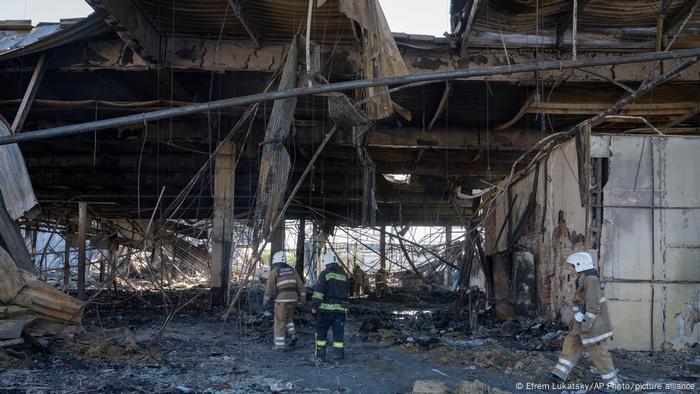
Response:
column 494, row 356
column 416, row 323
column 463, row 387
column 31, row 311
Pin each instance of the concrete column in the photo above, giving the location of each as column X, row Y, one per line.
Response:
column 222, row 223
column 66, row 257
column 447, row 273
column 301, row 234
column 83, row 221
column 277, row 241
column 102, row 267
column 382, row 248
column 34, row 234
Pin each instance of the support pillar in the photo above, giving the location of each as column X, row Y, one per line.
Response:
column 222, row 224
column 34, row 234
column 66, row 258
column 83, row 221
column 382, row 248
column 301, row 235
column 277, row 242
column 447, row 276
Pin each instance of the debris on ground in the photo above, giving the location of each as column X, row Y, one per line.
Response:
column 463, row 387
column 23, row 294
column 430, row 387
column 476, row 387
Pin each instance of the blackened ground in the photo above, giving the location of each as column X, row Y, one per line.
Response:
column 403, row 339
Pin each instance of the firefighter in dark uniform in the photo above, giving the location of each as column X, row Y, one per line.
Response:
column 328, row 304
column 287, row 289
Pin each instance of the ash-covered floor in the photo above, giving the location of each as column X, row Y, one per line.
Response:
column 391, row 344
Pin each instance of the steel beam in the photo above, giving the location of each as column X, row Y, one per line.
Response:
column 429, row 77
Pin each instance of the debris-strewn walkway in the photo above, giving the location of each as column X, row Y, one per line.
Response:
column 198, row 354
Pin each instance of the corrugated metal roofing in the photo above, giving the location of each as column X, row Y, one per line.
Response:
column 529, row 15
column 15, row 43
column 273, row 19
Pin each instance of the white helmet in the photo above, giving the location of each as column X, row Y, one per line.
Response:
column 279, row 258
column 329, row 258
column 582, row 261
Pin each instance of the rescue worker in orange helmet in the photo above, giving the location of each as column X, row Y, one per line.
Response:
column 287, row 289
column 590, row 329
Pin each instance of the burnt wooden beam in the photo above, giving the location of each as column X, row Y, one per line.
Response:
column 248, row 25
column 473, row 7
column 132, row 25
column 443, row 104
column 519, row 115
column 197, row 55
column 29, row 95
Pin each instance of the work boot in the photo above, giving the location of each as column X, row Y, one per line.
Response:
column 338, row 354
column 293, row 340
column 321, row 353
column 552, row 377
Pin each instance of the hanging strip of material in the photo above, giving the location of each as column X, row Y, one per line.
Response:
column 275, row 164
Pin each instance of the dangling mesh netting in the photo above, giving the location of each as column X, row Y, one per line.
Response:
column 274, row 163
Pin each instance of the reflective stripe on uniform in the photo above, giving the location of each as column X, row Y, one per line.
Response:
column 609, row 376
column 286, row 281
column 290, row 325
column 603, row 299
column 338, row 345
column 574, row 308
column 332, row 307
column 334, row 276
column 565, row 362
column 285, row 301
column 588, row 341
column 591, row 315
column 279, row 340
column 562, row 368
column 320, row 343
column 317, row 295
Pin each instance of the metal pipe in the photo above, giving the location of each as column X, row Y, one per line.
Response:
column 90, row 127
